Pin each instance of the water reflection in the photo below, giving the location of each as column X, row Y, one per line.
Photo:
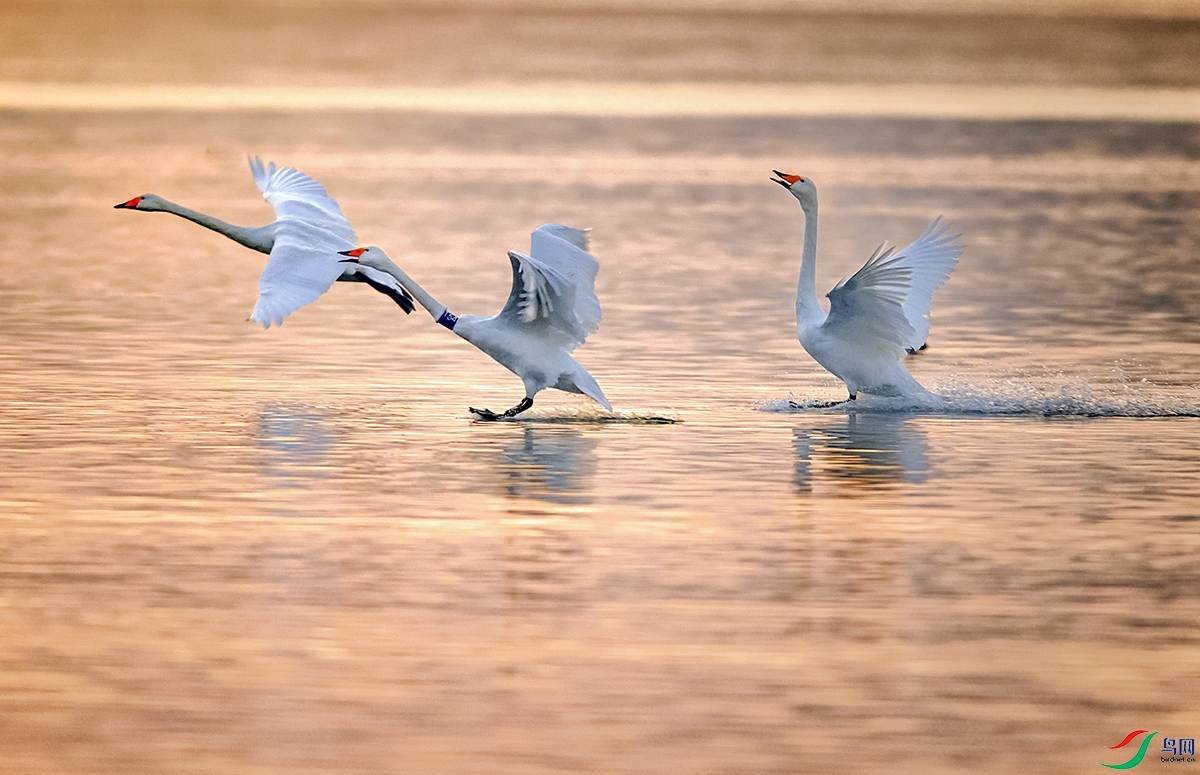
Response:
column 295, row 442
column 548, row 464
column 861, row 451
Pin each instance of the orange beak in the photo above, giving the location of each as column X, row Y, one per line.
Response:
column 131, row 204
column 352, row 253
column 786, row 180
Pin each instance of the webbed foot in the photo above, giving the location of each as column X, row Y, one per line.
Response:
column 826, row 405
column 488, row 414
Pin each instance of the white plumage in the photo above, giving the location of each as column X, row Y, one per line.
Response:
column 931, row 259
column 551, row 310
column 879, row 313
column 308, row 231
column 553, row 288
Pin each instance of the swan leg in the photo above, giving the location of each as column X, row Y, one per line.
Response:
column 526, row 402
column 488, row 414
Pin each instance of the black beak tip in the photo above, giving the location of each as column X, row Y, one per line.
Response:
column 119, row 207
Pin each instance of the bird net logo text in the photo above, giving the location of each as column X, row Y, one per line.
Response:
column 1174, row 749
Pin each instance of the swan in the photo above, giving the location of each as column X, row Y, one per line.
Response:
column 308, row 230
column 878, row 314
column 550, row 311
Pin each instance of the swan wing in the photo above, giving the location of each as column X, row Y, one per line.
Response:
column 867, row 310
column 309, row 231
column 931, row 259
column 553, row 288
column 303, row 266
column 381, row 281
column 298, row 199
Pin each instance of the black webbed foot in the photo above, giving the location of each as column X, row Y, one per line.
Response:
column 826, row 405
column 488, row 414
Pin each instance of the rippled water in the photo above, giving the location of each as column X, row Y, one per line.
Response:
column 229, row 548
column 235, row 550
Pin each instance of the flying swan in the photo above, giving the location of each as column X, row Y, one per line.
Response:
column 309, row 229
column 550, row 311
column 877, row 315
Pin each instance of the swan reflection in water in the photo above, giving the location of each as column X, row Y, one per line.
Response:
column 546, row 472
column 295, row 441
column 867, row 451
column 547, row 464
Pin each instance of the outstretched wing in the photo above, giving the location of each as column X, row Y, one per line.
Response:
column 931, row 258
column 868, row 308
column 554, row 286
column 297, row 198
column 309, row 231
column 299, row 272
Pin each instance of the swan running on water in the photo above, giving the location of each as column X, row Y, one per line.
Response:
column 308, row 230
column 877, row 315
column 550, row 311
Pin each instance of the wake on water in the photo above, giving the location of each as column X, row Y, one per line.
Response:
column 586, row 417
column 1013, row 398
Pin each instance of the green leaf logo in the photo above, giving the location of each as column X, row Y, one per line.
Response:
column 1137, row 757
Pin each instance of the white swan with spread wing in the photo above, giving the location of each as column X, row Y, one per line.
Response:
column 551, row 309
column 309, row 229
column 878, row 314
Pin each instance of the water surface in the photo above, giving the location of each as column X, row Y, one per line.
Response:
column 235, row 550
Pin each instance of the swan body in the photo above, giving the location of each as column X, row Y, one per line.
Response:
column 551, row 310
column 877, row 315
column 308, row 230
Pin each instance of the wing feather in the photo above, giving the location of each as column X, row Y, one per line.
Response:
column 554, row 286
column 309, row 231
column 931, row 258
column 298, row 198
column 868, row 308
column 299, row 272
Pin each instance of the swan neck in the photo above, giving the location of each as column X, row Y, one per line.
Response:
column 435, row 308
column 806, row 291
column 254, row 237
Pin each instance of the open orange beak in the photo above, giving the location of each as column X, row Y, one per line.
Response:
column 786, row 180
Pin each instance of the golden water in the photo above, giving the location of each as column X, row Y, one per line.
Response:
column 230, row 550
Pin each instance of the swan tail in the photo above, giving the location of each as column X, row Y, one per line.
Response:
column 582, row 382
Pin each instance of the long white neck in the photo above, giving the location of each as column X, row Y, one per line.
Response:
column 807, row 304
column 432, row 305
column 260, row 238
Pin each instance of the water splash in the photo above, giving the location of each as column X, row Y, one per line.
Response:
column 587, row 417
column 1016, row 397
